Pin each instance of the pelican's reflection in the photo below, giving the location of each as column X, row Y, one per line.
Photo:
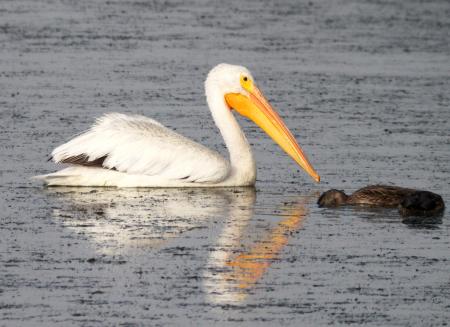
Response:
column 237, row 263
column 119, row 220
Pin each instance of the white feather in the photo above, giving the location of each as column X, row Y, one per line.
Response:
column 138, row 145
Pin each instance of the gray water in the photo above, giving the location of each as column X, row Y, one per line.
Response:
column 363, row 85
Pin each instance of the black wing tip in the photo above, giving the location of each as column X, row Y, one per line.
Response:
column 83, row 160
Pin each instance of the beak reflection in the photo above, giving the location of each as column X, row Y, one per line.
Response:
column 235, row 266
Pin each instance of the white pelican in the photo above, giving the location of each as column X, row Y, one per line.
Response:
column 135, row 151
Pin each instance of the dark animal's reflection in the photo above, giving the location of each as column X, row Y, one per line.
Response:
column 120, row 220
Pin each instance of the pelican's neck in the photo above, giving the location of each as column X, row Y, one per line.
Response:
column 241, row 157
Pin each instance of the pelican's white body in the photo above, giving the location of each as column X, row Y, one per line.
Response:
column 140, row 152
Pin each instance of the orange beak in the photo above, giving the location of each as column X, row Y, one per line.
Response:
column 257, row 108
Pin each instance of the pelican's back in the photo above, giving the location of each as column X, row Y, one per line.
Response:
column 133, row 150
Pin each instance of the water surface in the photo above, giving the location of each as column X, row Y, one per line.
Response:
column 363, row 85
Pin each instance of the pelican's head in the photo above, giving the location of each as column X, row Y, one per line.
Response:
column 240, row 93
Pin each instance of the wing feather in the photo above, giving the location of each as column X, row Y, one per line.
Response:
column 139, row 145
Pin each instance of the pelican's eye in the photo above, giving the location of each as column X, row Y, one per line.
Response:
column 246, row 83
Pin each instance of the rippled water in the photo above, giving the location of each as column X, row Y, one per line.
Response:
column 363, row 85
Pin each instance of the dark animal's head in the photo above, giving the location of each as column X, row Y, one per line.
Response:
column 421, row 203
column 332, row 198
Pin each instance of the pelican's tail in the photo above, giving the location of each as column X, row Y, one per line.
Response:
column 77, row 176
column 65, row 176
column 100, row 177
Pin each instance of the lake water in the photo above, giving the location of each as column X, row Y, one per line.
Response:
column 364, row 87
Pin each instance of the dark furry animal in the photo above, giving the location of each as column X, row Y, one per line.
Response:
column 409, row 201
